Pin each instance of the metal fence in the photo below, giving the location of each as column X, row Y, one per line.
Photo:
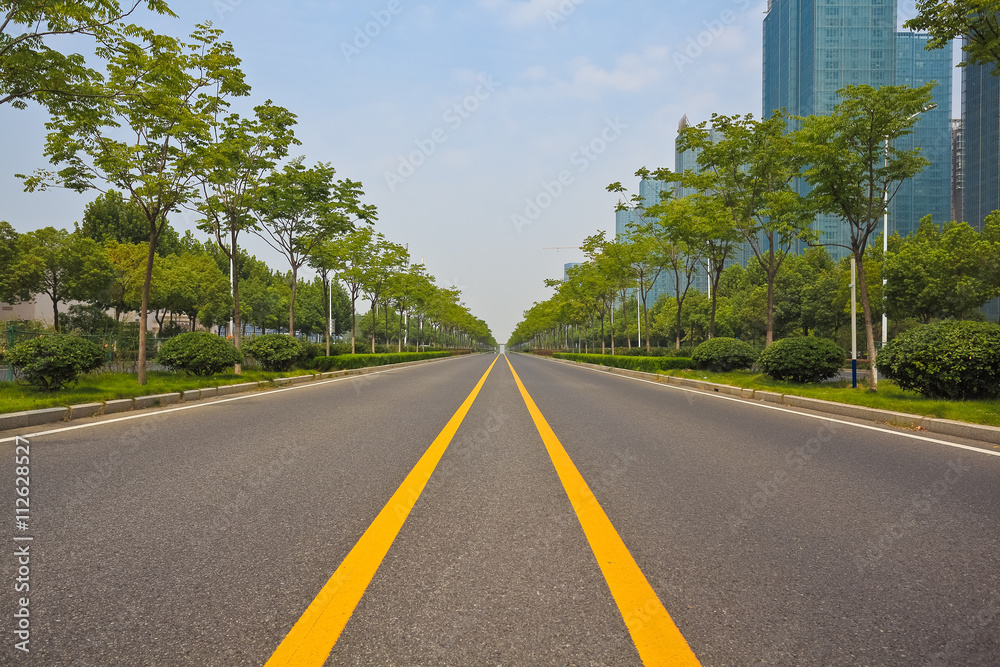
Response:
column 121, row 351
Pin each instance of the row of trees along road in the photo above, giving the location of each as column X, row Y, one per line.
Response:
column 156, row 126
column 745, row 192
column 190, row 279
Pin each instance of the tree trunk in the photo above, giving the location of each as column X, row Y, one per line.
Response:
column 235, row 277
column 645, row 323
column 771, row 277
column 326, row 308
column 715, row 300
column 374, row 325
column 291, row 303
column 612, row 325
column 354, row 325
column 401, row 329
column 680, row 305
column 628, row 336
column 603, row 348
column 869, row 330
column 144, row 309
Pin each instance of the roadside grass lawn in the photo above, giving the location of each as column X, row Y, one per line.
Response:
column 889, row 396
column 99, row 386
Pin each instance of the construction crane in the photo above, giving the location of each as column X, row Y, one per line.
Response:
column 563, row 247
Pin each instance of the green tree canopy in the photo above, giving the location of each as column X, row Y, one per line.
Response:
column 299, row 208
column 975, row 21
column 854, row 168
column 165, row 94
column 31, row 69
column 60, row 265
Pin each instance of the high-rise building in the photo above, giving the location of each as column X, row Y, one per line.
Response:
column 649, row 191
column 929, row 192
column 981, row 145
column 981, row 138
column 567, row 267
column 812, row 49
column 688, row 161
column 957, row 169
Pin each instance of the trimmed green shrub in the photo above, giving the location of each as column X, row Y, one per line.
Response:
column 275, row 352
column 646, row 364
column 309, row 352
column 198, row 352
column 347, row 362
column 724, row 355
column 804, row 359
column 53, row 362
column 654, row 352
column 953, row 360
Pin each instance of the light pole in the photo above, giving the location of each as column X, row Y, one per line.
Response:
column 885, row 232
column 854, row 322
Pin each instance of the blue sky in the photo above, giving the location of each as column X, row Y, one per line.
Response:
column 484, row 131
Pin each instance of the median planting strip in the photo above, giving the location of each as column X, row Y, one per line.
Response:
column 982, row 433
column 31, row 418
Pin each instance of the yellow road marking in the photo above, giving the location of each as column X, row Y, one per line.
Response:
column 656, row 637
column 314, row 635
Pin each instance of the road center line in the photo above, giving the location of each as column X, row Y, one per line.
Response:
column 656, row 637
column 316, row 632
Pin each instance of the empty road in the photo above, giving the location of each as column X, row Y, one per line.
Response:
column 497, row 511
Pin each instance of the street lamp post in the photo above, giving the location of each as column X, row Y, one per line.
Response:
column 885, row 238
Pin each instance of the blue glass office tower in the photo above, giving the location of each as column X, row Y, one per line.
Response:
column 567, row 267
column 981, row 134
column 812, row 49
column 650, row 193
column 928, row 193
column 981, row 140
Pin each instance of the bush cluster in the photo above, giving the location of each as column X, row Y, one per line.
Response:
column 275, row 352
column 347, row 362
column 646, row 364
column 804, row 359
column 724, row 355
column 953, row 360
column 653, row 352
column 53, row 362
column 198, row 352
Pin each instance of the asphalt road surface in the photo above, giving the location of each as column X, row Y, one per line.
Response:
column 415, row 517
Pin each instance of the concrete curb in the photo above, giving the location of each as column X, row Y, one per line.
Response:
column 33, row 418
column 27, row 419
column 978, row 432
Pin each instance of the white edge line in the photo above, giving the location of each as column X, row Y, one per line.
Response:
column 745, row 401
column 253, row 394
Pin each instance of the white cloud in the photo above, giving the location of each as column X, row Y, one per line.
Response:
column 526, row 13
column 535, row 73
column 632, row 72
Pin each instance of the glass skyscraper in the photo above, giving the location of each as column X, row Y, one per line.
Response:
column 981, row 143
column 928, row 193
column 957, row 169
column 981, row 134
column 813, row 48
column 650, row 193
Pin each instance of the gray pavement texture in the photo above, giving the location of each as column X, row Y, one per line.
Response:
column 199, row 537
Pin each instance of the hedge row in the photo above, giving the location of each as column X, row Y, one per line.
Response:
column 348, row 362
column 646, row 364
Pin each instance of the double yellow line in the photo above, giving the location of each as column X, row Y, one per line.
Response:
column 314, row 635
